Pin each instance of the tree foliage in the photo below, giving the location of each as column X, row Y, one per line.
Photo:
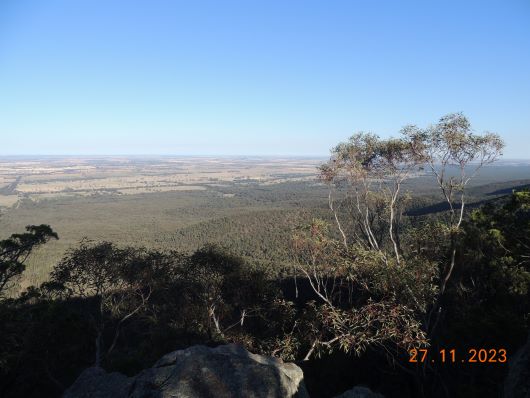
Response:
column 15, row 250
column 370, row 262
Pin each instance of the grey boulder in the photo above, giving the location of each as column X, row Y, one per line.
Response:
column 198, row 372
column 360, row 392
column 517, row 383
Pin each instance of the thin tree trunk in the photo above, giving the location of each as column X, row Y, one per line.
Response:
column 391, row 226
column 330, row 201
column 98, row 349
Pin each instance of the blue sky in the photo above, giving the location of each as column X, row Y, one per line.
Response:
column 255, row 77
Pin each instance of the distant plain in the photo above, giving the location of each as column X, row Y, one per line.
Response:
column 250, row 205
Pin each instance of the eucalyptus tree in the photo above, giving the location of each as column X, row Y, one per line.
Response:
column 119, row 281
column 15, row 250
column 365, row 177
column 368, row 289
column 454, row 155
column 370, row 172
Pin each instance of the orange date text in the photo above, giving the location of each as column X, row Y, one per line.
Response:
column 472, row 355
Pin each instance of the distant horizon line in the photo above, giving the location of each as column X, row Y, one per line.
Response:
column 161, row 155
column 126, row 155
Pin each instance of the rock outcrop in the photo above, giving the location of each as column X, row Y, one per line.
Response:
column 96, row 383
column 517, row 383
column 360, row 392
column 198, row 371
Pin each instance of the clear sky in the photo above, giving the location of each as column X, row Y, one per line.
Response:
column 255, row 77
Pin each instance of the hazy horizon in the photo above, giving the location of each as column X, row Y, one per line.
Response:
column 203, row 155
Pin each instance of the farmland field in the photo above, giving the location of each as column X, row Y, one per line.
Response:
column 158, row 202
